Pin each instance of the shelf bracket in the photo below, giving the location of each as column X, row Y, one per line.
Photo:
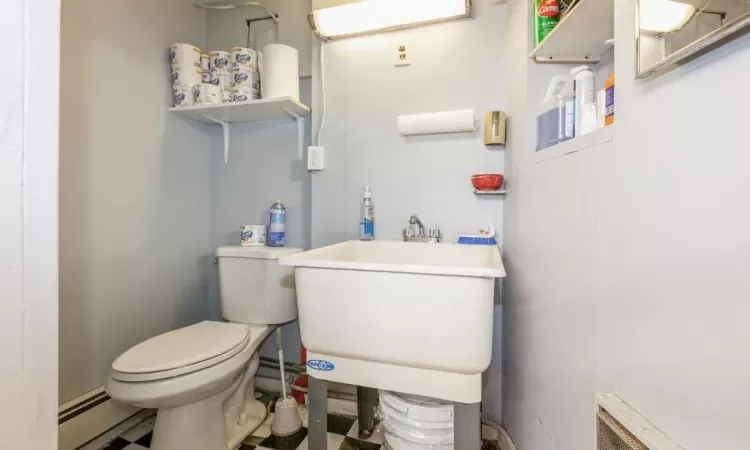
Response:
column 300, row 132
column 225, row 130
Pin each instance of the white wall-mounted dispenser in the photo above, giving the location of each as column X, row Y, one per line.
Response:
column 332, row 19
column 460, row 121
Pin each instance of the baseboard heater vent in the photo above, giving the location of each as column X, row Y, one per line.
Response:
column 620, row 427
column 89, row 416
column 611, row 435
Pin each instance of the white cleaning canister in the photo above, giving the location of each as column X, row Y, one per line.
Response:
column 583, row 93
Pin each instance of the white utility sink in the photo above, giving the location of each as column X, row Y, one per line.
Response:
column 407, row 317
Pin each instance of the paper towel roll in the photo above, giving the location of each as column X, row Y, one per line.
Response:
column 280, row 71
column 459, row 121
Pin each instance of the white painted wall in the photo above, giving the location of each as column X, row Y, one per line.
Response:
column 29, row 91
column 135, row 185
column 455, row 65
column 627, row 262
column 263, row 163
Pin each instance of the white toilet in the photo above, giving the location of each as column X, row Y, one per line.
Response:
column 200, row 378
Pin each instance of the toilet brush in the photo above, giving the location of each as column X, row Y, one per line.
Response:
column 286, row 418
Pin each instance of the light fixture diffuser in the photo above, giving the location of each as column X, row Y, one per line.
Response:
column 371, row 16
column 664, row 16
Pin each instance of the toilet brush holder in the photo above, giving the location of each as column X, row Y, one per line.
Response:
column 286, row 418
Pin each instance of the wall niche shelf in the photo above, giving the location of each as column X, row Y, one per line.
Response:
column 598, row 138
column 249, row 111
column 499, row 192
column 583, row 35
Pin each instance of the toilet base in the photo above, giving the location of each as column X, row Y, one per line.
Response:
column 203, row 426
column 255, row 414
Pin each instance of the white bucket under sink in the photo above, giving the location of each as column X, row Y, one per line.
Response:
column 406, row 317
column 416, row 423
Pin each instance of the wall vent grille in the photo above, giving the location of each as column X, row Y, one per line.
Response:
column 611, row 435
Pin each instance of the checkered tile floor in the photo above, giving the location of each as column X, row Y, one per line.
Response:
column 342, row 435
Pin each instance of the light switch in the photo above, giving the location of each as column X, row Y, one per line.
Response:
column 316, row 158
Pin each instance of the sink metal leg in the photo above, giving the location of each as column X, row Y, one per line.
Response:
column 467, row 426
column 366, row 398
column 318, row 414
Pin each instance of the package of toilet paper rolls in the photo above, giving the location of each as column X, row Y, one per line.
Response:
column 184, row 56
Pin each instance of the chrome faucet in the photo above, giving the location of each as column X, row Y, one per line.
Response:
column 415, row 232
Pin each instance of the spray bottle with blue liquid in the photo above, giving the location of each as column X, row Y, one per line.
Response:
column 367, row 222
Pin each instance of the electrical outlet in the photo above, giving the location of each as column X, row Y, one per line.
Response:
column 402, row 56
column 316, row 158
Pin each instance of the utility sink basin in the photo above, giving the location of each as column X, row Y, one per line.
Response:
column 409, row 317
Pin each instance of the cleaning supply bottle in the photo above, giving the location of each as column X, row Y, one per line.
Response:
column 367, row 223
column 546, row 17
column 583, row 94
column 277, row 228
column 609, row 112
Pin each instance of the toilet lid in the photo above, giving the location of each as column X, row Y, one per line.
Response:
column 184, row 347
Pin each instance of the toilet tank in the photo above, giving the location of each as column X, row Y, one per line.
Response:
column 255, row 289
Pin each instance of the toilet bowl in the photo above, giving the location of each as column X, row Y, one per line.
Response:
column 200, row 380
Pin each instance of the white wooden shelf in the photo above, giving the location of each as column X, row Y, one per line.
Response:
column 581, row 36
column 249, row 111
column 601, row 136
column 490, row 193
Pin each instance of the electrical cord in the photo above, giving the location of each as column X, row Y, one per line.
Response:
column 321, row 126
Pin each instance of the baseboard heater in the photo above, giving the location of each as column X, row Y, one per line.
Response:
column 89, row 416
column 620, row 427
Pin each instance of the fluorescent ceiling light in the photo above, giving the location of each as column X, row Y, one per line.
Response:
column 664, row 16
column 384, row 15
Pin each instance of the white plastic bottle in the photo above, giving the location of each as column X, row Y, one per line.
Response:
column 583, row 94
column 367, row 221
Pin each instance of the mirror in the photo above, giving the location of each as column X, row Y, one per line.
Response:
column 672, row 31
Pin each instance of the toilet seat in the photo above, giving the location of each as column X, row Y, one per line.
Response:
column 182, row 351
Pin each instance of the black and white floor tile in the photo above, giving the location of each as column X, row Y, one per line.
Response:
column 343, row 433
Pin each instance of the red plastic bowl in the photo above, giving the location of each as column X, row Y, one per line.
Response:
column 487, row 181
